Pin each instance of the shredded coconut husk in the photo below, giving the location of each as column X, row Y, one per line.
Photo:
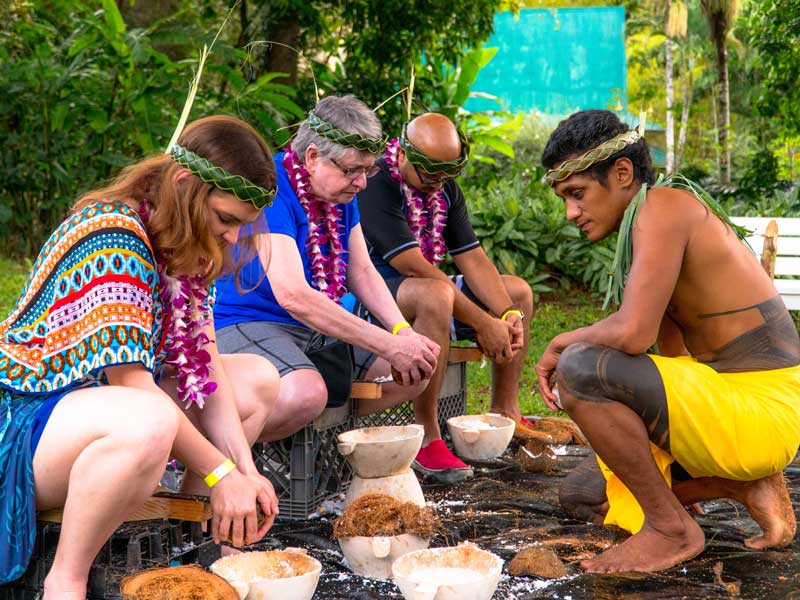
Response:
column 381, row 515
column 177, row 583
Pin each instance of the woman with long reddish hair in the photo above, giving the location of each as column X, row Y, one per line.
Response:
column 108, row 361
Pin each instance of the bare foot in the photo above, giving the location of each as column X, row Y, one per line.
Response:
column 650, row 550
column 768, row 502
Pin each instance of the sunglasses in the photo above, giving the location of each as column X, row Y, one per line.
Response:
column 353, row 173
column 431, row 179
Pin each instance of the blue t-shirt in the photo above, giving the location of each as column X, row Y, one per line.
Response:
column 287, row 217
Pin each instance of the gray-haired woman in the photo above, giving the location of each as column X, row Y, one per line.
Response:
column 318, row 254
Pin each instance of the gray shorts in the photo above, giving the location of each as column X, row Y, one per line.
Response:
column 282, row 344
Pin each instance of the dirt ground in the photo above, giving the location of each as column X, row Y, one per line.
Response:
column 504, row 510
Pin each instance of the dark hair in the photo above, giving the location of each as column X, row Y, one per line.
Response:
column 587, row 129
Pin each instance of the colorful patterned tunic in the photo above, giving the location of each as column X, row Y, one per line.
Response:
column 91, row 302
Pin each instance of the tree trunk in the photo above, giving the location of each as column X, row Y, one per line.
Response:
column 688, row 88
column 670, row 128
column 282, row 59
column 724, row 107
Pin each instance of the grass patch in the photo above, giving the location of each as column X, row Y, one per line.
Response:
column 14, row 274
column 550, row 317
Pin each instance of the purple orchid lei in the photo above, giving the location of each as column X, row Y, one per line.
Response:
column 328, row 271
column 426, row 214
column 185, row 301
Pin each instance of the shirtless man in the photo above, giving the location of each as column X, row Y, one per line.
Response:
column 721, row 401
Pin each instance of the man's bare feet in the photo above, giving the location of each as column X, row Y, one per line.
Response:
column 650, row 550
column 768, row 502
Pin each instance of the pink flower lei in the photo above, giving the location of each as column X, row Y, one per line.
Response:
column 426, row 214
column 328, row 271
column 187, row 313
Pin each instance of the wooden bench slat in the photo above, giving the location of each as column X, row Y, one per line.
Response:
column 465, row 354
column 786, row 265
column 791, row 302
column 786, row 225
column 787, row 246
column 366, row 390
column 156, row 507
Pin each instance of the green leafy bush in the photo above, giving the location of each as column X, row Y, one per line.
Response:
column 522, row 227
column 84, row 95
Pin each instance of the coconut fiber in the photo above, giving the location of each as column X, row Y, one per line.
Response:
column 381, row 515
column 177, row 583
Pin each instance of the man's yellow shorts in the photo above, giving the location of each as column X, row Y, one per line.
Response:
column 741, row 426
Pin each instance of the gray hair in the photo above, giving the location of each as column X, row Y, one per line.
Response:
column 349, row 114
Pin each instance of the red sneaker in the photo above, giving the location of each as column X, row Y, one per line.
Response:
column 435, row 462
column 524, row 421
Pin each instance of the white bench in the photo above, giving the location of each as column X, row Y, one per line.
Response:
column 783, row 262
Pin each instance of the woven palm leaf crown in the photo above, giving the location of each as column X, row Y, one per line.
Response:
column 598, row 154
column 595, row 155
column 345, row 138
column 241, row 187
column 430, row 165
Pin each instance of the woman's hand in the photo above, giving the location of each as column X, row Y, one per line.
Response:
column 413, row 356
column 235, row 500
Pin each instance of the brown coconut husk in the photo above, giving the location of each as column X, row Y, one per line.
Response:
column 537, row 457
column 541, row 562
column 381, row 515
column 563, row 429
column 176, row 583
column 551, row 430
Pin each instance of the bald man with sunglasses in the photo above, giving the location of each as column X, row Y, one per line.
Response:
column 412, row 214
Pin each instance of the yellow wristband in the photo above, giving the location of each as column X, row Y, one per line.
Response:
column 213, row 478
column 400, row 326
column 512, row 311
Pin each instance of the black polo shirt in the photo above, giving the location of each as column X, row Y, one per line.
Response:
column 385, row 226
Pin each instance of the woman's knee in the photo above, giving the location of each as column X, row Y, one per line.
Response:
column 256, row 384
column 151, row 424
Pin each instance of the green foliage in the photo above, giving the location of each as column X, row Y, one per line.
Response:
column 774, row 26
column 449, row 86
column 85, row 95
column 14, row 275
column 548, row 320
column 522, row 227
column 372, row 43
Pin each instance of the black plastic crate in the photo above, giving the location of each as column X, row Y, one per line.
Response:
column 307, row 469
column 133, row 547
column 452, row 403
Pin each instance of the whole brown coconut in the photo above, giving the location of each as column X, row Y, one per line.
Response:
column 541, row 562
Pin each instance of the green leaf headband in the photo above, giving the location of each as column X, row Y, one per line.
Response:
column 595, row 155
column 345, row 138
column 241, row 187
column 432, row 166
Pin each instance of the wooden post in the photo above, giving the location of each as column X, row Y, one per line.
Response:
column 770, row 249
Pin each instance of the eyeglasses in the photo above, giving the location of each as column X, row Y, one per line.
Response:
column 353, row 173
column 430, row 179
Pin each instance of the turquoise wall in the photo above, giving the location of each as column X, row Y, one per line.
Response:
column 556, row 61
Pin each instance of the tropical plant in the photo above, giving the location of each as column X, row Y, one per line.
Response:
column 85, row 95
column 721, row 15
column 522, row 227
